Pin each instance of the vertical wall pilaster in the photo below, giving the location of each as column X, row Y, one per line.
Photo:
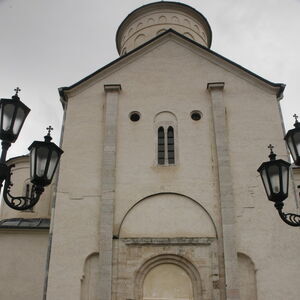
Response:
column 226, row 190
column 108, row 180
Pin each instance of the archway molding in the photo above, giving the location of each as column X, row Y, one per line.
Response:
column 90, row 277
column 247, row 276
column 168, row 193
column 177, row 260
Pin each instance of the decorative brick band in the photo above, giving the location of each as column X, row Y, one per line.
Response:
column 168, row 241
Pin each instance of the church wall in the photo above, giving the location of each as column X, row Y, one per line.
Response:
column 155, row 82
column 77, row 205
column 23, row 261
column 251, row 129
column 136, row 141
column 248, row 130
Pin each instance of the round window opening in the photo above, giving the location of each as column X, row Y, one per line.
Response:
column 134, row 116
column 196, row 115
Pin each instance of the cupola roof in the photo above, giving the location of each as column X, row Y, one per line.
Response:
column 152, row 19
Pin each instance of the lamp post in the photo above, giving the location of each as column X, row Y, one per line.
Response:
column 44, row 155
column 275, row 174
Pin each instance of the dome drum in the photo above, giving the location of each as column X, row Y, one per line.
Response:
column 153, row 19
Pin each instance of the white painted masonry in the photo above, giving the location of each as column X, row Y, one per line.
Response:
column 121, row 223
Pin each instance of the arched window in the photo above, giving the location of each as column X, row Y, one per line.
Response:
column 161, row 146
column 247, row 277
column 165, row 126
column 165, row 146
column 171, row 150
column 90, row 278
column 28, row 192
column 160, row 31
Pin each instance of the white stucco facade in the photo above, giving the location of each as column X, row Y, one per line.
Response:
column 125, row 226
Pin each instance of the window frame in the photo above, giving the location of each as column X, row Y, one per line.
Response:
column 166, row 125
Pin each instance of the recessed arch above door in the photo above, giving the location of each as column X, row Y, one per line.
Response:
column 167, row 215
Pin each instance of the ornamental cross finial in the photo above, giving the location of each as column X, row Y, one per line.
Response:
column 49, row 128
column 271, row 148
column 272, row 155
column 296, row 118
column 17, row 90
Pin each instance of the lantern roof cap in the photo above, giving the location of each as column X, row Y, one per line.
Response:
column 273, row 162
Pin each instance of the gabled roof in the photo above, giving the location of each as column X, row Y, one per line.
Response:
column 279, row 86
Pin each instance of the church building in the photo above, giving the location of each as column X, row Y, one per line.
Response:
column 157, row 196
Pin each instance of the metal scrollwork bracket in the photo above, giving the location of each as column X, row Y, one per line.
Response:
column 288, row 218
column 20, row 202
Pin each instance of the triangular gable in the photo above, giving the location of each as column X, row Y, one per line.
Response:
column 278, row 86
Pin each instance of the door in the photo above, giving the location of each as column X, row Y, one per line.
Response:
column 167, row 282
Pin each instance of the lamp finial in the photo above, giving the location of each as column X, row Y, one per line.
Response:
column 272, row 155
column 16, row 96
column 296, row 124
column 17, row 90
column 296, row 117
column 48, row 137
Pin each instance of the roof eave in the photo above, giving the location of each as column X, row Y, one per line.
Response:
column 63, row 90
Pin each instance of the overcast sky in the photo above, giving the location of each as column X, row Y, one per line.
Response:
column 47, row 44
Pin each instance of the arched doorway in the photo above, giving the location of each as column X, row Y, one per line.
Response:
column 167, row 282
column 168, row 277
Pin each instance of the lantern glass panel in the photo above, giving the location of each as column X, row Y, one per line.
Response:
column 20, row 117
column 274, row 178
column 265, row 181
column 284, row 179
column 291, row 147
column 8, row 112
column 297, row 141
column 41, row 160
column 32, row 162
column 52, row 164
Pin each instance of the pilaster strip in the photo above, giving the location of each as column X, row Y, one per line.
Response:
column 226, row 190
column 108, row 180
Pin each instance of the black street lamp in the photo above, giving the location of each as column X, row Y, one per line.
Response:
column 292, row 139
column 13, row 113
column 275, row 175
column 44, row 156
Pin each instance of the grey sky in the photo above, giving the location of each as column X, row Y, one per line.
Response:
column 48, row 44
